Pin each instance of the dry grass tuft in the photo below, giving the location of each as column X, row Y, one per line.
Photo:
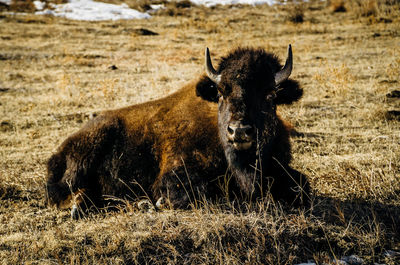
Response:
column 337, row 5
column 28, row 6
column 140, row 5
column 56, row 74
column 376, row 10
column 295, row 13
column 22, row 6
column 336, row 81
column 171, row 8
column 366, row 8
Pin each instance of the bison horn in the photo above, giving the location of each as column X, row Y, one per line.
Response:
column 284, row 74
column 211, row 73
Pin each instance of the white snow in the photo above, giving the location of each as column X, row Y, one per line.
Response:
column 39, row 5
column 93, row 11
column 209, row 3
column 7, row 2
column 157, row 7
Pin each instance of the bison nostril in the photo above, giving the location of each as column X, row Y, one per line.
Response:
column 240, row 133
column 249, row 131
column 231, row 130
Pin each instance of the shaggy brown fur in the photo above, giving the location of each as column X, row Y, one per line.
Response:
column 176, row 147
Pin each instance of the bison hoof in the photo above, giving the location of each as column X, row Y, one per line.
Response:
column 75, row 215
column 160, row 204
column 146, row 206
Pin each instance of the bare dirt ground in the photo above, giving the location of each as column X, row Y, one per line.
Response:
column 56, row 73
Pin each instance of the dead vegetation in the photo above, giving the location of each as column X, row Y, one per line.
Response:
column 365, row 8
column 56, row 74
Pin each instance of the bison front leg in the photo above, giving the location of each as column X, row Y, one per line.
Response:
column 59, row 189
column 62, row 196
column 290, row 186
column 179, row 189
column 66, row 184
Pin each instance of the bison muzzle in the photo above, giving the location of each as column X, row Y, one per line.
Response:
column 217, row 137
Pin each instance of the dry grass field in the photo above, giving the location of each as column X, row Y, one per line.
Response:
column 56, row 73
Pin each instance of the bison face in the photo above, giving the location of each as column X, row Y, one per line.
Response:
column 244, row 111
column 245, row 88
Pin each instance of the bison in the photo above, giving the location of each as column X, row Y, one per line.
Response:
column 218, row 137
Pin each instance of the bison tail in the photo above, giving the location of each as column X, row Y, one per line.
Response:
column 288, row 92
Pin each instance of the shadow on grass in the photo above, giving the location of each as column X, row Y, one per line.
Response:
column 329, row 230
column 359, row 212
column 260, row 233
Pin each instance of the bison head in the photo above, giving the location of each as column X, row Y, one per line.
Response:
column 245, row 87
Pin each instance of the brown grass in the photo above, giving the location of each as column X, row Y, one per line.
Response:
column 295, row 13
column 375, row 9
column 55, row 74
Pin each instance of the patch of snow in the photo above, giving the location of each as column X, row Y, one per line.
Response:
column 90, row 10
column 340, row 262
column 392, row 254
column 157, row 7
column 353, row 260
column 7, row 2
column 210, row 3
column 39, row 5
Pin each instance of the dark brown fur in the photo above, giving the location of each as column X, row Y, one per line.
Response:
column 175, row 147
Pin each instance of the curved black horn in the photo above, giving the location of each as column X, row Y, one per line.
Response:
column 284, row 74
column 211, row 73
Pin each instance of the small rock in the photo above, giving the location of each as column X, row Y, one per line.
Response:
column 4, row 6
column 339, row 262
column 339, row 9
column 393, row 115
column 75, row 212
column 6, row 126
column 353, row 260
column 392, row 254
column 385, row 20
column 386, row 81
column 146, row 206
column 183, row 4
column 113, row 67
column 160, row 204
column 4, row 89
column 145, row 32
column 393, row 94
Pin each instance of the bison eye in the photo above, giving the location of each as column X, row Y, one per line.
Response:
column 271, row 96
column 225, row 90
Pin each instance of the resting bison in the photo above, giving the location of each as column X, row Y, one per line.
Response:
column 220, row 136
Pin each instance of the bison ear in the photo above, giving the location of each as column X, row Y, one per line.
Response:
column 207, row 89
column 288, row 92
